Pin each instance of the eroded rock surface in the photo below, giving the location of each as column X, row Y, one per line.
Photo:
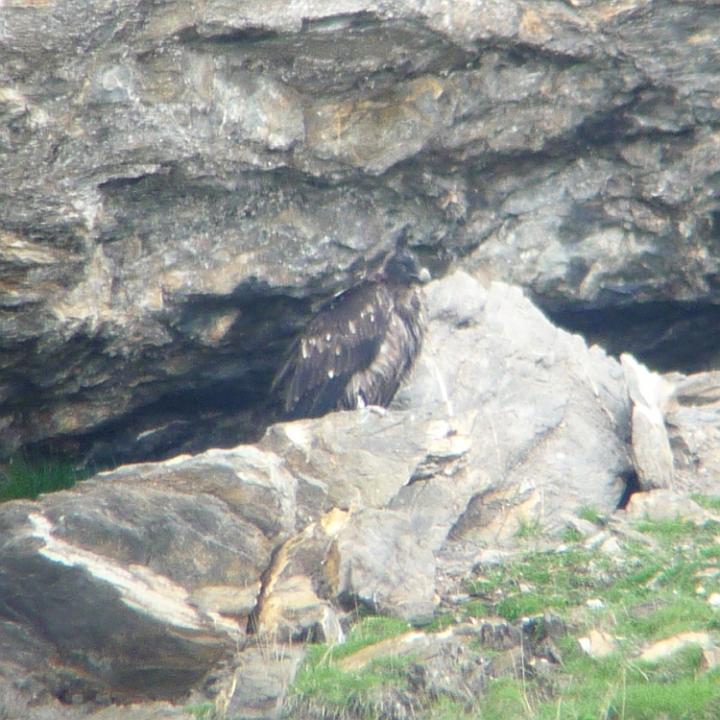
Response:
column 145, row 577
column 694, row 429
column 180, row 182
column 143, row 581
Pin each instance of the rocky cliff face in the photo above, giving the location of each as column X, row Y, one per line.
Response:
column 206, row 574
column 180, row 182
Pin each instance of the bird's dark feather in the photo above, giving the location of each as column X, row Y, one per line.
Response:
column 357, row 349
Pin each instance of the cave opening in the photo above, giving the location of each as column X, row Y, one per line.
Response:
column 665, row 336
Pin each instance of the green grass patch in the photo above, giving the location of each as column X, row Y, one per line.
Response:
column 521, row 604
column 709, row 502
column 681, row 665
column 711, row 553
column 439, row 623
column 201, row 711
column 667, row 615
column 25, row 477
column 505, row 698
column 629, row 696
column 647, row 592
column 321, row 683
column 680, row 700
column 616, row 687
column 571, row 535
column 592, row 515
column 529, row 529
column 367, row 631
column 541, row 581
column 669, row 530
column 475, row 609
column 447, row 709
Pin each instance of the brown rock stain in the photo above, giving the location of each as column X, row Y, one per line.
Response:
column 27, row 3
column 17, row 249
column 285, row 589
column 704, row 37
column 331, row 569
column 611, row 10
column 532, row 25
column 342, row 129
column 220, row 326
column 334, row 520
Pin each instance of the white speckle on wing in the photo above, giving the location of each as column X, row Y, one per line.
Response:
column 328, row 337
column 331, row 374
column 351, row 327
column 304, row 349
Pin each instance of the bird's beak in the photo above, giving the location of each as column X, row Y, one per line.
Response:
column 424, row 275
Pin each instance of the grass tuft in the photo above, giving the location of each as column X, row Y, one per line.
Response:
column 202, row 711
column 25, row 477
column 709, row 502
column 529, row 529
column 321, row 683
column 592, row 515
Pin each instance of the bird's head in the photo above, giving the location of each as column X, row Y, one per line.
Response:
column 403, row 267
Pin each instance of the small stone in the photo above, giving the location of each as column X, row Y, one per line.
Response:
column 595, row 603
column 598, row 644
column 651, row 450
column 584, row 527
column 458, row 598
column 708, row 572
column 596, row 539
column 498, row 634
column 492, row 556
column 664, row 504
column 714, row 600
column 543, row 667
column 543, row 627
column 710, row 658
column 611, row 546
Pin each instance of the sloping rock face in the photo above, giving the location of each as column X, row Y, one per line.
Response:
column 142, row 581
column 694, row 430
column 180, row 182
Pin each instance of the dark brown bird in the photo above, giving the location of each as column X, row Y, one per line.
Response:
column 359, row 347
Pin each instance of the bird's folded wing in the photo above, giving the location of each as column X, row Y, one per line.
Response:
column 340, row 341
